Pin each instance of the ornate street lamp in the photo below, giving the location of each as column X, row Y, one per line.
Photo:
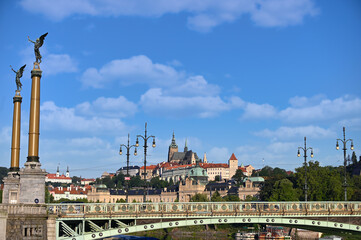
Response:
column 344, row 141
column 305, row 156
column 135, row 154
column 145, row 138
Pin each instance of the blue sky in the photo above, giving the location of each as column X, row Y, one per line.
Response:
column 245, row 77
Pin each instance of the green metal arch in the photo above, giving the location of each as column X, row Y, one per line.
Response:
column 217, row 220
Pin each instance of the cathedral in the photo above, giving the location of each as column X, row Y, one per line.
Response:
column 182, row 158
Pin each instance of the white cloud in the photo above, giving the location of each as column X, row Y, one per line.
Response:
column 61, row 118
column 137, row 69
column 154, row 101
column 203, row 14
column 275, row 13
column 253, row 110
column 296, row 132
column 339, row 108
column 107, row 107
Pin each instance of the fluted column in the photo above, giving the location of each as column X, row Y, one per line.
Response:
column 34, row 120
column 15, row 142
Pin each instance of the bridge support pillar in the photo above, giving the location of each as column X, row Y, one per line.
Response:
column 51, row 228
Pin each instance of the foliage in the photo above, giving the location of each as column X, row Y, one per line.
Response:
column 136, row 181
column 120, row 200
column 268, row 171
column 354, row 158
column 216, row 197
column 3, row 173
column 217, row 178
column 75, row 180
column 199, row 198
column 324, row 183
column 238, row 177
column 231, row 198
column 283, row 191
column 250, row 198
column 157, row 183
column 48, row 197
column 84, row 200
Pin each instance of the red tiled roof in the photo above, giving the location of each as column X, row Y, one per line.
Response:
column 214, row 165
column 150, row 167
column 243, row 169
column 53, row 176
column 179, row 166
column 233, row 157
column 71, row 191
column 88, row 179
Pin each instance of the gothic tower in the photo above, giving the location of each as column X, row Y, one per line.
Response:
column 173, row 147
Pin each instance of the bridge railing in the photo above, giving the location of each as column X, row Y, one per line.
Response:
column 196, row 209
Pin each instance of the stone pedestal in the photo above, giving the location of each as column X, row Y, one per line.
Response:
column 32, row 183
column 11, row 189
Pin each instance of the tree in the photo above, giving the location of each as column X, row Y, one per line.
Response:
column 216, row 197
column 231, row 198
column 199, row 198
column 136, row 181
column 3, row 173
column 250, row 198
column 238, row 177
column 354, row 158
column 284, row 191
column 49, row 198
column 75, row 180
column 217, row 178
column 157, row 183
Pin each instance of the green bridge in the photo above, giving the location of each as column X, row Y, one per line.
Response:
column 99, row 220
column 82, row 221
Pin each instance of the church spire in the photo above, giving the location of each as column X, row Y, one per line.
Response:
column 204, row 158
column 173, row 144
column 186, row 147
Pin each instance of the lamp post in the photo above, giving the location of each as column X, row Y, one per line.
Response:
column 344, row 141
column 305, row 149
column 145, row 138
column 135, row 154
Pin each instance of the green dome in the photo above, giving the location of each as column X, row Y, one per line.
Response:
column 197, row 172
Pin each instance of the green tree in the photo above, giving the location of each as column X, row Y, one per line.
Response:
column 3, row 173
column 136, row 181
column 238, row 176
column 199, row 198
column 75, row 180
column 157, row 183
column 250, row 198
column 356, row 185
column 48, row 197
column 284, row 191
column 217, row 178
column 231, row 198
column 354, row 158
column 216, row 197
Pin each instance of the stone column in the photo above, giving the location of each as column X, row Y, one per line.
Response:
column 32, row 178
column 12, row 181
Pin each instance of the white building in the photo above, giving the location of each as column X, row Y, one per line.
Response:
column 57, row 178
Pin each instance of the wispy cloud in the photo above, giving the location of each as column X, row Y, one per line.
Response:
column 62, row 118
column 296, row 132
column 155, row 102
column 203, row 14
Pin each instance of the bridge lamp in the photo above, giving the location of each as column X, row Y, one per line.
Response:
column 120, row 151
column 137, row 142
column 298, row 153
column 337, row 146
column 311, row 153
column 153, row 145
column 135, row 152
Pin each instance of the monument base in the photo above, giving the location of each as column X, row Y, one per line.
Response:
column 32, row 183
column 11, row 188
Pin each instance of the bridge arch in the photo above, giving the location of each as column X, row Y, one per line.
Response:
column 294, row 222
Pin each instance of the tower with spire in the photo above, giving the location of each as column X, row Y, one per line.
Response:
column 67, row 172
column 173, row 147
